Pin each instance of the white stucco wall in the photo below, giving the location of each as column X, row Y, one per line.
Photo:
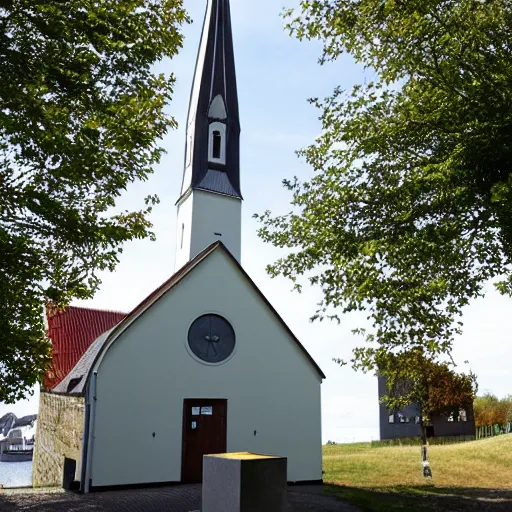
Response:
column 203, row 214
column 183, row 224
column 144, row 377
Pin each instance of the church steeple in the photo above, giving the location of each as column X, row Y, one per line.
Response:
column 212, row 160
column 209, row 207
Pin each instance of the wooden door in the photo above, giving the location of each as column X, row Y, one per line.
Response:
column 204, row 432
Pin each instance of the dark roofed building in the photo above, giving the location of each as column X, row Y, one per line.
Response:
column 406, row 423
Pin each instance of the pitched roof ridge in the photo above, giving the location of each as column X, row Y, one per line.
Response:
column 188, row 267
column 179, row 274
column 97, row 348
column 98, row 310
column 274, row 311
column 143, row 305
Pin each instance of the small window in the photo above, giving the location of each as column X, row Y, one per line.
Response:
column 401, row 418
column 418, row 420
column 217, row 140
column 182, row 234
column 407, row 419
column 391, row 418
column 463, row 417
column 450, row 418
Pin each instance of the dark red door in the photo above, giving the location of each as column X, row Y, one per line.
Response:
column 204, row 432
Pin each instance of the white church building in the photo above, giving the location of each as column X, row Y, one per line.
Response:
column 204, row 364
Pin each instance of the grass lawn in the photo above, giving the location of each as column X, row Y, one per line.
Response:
column 466, row 476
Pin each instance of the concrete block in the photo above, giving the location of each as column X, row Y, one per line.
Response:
column 244, row 482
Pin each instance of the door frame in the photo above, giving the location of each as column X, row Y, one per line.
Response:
column 186, row 402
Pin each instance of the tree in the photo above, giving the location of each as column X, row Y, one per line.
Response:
column 490, row 410
column 81, row 113
column 408, row 214
column 413, row 378
column 508, row 402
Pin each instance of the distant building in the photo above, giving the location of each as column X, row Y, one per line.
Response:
column 204, row 364
column 406, row 423
column 17, row 436
column 7, row 422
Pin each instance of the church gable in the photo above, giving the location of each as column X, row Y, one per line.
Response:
column 271, row 312
column 213, row 274
column 212, row 285
column 206, row 335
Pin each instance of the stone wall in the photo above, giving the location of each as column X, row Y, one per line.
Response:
column 59, row 434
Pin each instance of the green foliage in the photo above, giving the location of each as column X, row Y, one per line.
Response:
column 408, row 214
column 508, row 403
column 81, row 113
column 490, row 410
column 412, row 378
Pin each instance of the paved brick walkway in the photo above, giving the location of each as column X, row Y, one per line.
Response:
column 185, row 498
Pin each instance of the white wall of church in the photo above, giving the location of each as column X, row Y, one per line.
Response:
column 200, row 216
column 146, row 374
column 183, row 232
column 216, row 213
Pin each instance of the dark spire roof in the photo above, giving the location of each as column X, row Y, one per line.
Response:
column 214, row 99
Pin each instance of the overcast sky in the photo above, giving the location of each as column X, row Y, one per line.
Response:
column 276, row 75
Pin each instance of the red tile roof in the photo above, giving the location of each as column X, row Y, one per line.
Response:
column 71, row 332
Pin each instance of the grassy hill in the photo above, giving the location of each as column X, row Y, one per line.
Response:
column 467, row 476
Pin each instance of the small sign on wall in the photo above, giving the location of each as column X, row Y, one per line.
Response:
column 196, row 411
column 207, row 411
column 194, row 425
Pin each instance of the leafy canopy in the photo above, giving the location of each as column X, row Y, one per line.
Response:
column 412, row 378
column 409, row 212
column 490, row 410
column 81, row 112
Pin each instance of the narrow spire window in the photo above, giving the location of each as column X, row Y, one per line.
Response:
column 217, row 139
column 182, row 234
column 217, row 143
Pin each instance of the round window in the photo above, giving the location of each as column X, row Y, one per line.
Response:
column 211, row 338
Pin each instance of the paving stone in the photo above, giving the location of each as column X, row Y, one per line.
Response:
column 183, row 498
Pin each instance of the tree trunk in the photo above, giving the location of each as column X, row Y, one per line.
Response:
column 427, row 472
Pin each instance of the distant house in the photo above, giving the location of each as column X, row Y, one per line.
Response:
column 406, row 423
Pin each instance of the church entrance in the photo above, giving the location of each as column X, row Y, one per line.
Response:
column 204, row 432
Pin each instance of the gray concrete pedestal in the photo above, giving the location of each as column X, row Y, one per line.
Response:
column 244, row 482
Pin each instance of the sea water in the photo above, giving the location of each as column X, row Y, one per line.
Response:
column 16, row 474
